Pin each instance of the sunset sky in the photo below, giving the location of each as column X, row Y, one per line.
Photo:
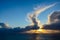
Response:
column 14, row 12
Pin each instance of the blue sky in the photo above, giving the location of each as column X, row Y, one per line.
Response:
column 14, row 12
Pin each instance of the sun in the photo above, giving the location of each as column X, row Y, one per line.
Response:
column 39, row 29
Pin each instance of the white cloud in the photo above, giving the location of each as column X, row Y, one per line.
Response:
column 33, row 16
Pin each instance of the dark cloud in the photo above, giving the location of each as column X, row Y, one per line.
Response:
column 3, row 25
column 5, row 29
column 54, row 21
column 34, row 27
column 55, row 17
column 54, row 26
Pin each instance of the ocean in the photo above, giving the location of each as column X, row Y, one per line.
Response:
column 29, row 36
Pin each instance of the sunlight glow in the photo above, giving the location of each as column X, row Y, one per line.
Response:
column 42, row 31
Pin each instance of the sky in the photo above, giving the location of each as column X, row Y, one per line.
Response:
column 14, row 12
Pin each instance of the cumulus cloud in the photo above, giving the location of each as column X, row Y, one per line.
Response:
column 54, row 19
column 3, row 25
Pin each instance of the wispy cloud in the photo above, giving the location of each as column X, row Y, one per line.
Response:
column 33, row 16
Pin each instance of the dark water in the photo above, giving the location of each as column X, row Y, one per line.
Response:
column 30, row 36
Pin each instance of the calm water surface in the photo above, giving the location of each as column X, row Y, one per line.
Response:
column 30, row 37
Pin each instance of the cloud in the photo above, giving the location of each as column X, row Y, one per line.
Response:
column 33, row 16
column 54, row 19
column 54, row 26
column 3, row 25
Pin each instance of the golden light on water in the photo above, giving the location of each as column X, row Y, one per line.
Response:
column 42, row 31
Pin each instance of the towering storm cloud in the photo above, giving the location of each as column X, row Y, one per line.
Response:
column 33, row 16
